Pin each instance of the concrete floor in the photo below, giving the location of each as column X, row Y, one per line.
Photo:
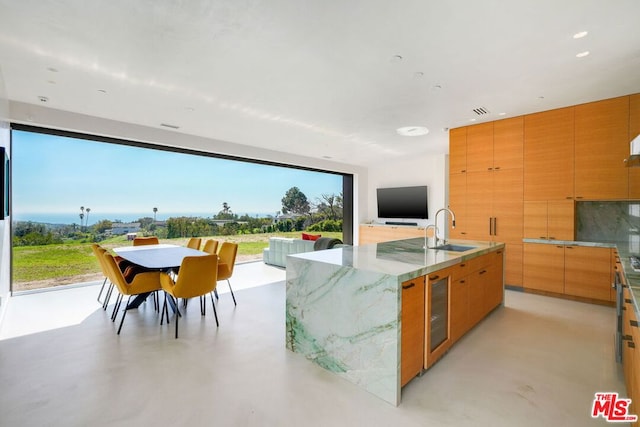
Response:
column 536, row 361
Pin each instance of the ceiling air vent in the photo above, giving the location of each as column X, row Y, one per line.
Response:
column 481, row 111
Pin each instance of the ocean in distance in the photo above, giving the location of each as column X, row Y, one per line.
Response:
column 68, row 218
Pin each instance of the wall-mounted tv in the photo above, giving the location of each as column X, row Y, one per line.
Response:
column 403, row 202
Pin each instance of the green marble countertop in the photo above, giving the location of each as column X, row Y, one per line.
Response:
column 624, row 250
column 405, row 259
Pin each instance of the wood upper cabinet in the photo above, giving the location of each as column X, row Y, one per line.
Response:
column 480, row 147
column 553, row 220
column 601, row 145
column 549, row 155
column 458, row 150
column 634, row 130
column 508, row 143
column 587, row 272
column 412, row 329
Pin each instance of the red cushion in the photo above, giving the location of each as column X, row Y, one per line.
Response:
column 306, row 236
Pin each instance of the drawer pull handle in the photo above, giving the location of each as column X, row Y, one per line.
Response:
column 483, row 271
column 436, row 277
column 631, row 344
column 633, row 323
column 409, row 286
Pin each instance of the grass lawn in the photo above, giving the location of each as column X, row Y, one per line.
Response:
column 36, row 267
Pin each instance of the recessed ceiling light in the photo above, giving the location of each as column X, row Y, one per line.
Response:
column 472, row 120
column 190, row 109
column 53, row 70
column 396, row 58
column 327, row 157
column 43, row 99
column 412, row 131
column 502, row 114
column 582, row 54
column 580, row 35
column 102, row 91
column 418, row 75
column 51, row 82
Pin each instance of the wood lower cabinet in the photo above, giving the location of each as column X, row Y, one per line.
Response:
column 412, row 330
column 543, row 268
column 369, row 233
column 573, row 270
column 587, row 272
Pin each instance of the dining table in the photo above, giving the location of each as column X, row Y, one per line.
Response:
column 161, row 257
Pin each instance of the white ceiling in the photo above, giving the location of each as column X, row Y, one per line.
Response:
column 317, row 78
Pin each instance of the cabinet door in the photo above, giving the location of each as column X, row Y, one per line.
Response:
column 480, row 147
column 459, row 320
column 535, row 220
column 493, row 281
column 587, row 272
column 561, row 219
column 479, row 205
column 412, row 329
column 382, row 233
column 477, row 306
column 508, row 143
column 458, row 150
column 513, row 264
column 458, row 204
column 543, row 268
column 507, row 205
column 634, row 130
column 601, row 145
column 548, row 155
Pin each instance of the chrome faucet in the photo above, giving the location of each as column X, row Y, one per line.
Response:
column 435, row 225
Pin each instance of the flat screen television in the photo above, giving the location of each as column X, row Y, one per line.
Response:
column 403, row 202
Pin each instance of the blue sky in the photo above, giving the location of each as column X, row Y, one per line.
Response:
column 57, row 175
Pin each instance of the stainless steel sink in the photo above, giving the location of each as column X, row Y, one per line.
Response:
column 454, row 248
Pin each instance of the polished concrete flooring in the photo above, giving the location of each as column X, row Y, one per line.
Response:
column 537, row 361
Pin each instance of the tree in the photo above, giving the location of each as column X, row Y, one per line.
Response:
column 155, row 210
column 225, row 213
column 295, row 202
column 87, row 218
column 102, row 226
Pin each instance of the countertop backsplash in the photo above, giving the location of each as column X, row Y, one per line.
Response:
column 608, row 221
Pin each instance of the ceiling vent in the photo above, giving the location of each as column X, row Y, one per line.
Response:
column 481, row 111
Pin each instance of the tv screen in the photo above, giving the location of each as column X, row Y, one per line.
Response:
column 403, row 202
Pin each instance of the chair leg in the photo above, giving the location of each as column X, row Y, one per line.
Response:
column 164, row 310
column 203, row 304
column 215, row 291
column 107, row 297
column 104, row 282
column 124, row 313
column 116, row 307
column 232, row 295
column 215, row 314
column 177, row 316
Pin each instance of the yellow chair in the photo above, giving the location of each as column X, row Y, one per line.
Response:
column 141, row 283
column 141, row 241
column 97, row 252
column 210, row 246
column 198, row 277
column 226, row 263
column 194, row 243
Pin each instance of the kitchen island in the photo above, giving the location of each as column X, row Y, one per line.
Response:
column 368, row 313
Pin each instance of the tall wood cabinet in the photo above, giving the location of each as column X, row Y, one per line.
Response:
column 486, row 195
column 601, row 145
